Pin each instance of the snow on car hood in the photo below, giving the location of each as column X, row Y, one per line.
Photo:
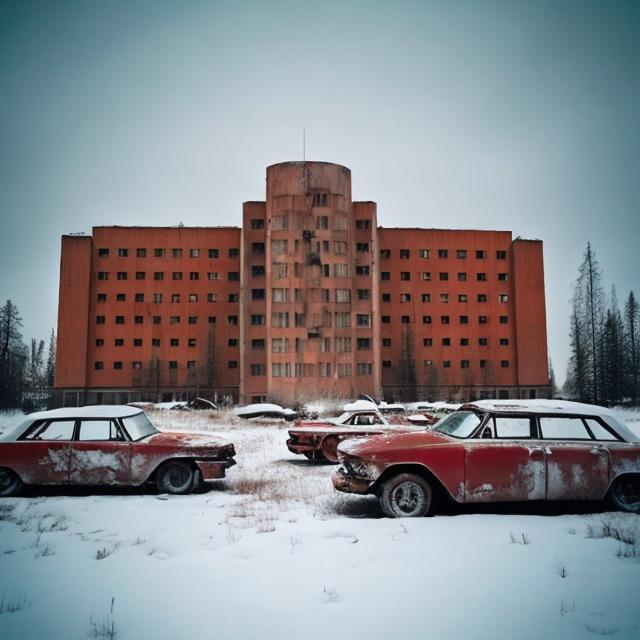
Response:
column 405, row 439
column 185, row 439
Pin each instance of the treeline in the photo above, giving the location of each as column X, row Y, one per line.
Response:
column 26, row 373
column 604, row 367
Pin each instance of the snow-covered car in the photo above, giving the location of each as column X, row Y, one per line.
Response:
column 498, row 451
column 318, row 439
column 107, row 446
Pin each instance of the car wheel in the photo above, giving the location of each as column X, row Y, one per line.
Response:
column 625, row 493
column 175, row 477
column 10, row 483
column 406, row 496
column 329, row 448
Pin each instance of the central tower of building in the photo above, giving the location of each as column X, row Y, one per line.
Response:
column 309, row 288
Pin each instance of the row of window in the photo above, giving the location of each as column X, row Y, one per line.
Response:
column 322, row 369
column 141, row 252
column 340, row 222
column 158, row 298
column 503, row 298
column 461, row 254
column 232, row 320
column 446, row 364
column 443, row 276
column 445, row 319
column 155, row 342
column 175, row 275
column 98, row 365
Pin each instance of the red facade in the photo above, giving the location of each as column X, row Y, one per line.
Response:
column 309, row 299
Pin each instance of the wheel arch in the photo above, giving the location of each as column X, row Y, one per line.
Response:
column 418, row 469
column 154, row 474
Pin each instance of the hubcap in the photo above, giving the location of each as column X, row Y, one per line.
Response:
column 408, row 497
column 178, row 477
column 628, row 492
column 5, row 479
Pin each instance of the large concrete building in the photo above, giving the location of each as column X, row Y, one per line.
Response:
column 310, row 298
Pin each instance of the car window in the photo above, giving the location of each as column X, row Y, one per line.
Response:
column 459, row 424
column 54, row 430
column 512, row 427
column 563, row 429
column 139, row 426
column 99, row 430
column 599, row 432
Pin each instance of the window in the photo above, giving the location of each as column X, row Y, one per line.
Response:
column 482, row 297
column 364, row 368
column 386, row 297
column 424, row 253
column 504, row 342
column 123, row 253
column 257, row 319
column 343, row 345
column 174, row 320
column 174, row 342
column 140, row 275
column 139, row 297
column 481, row 277
column 119, row 319
column 512, row 427
column 362, row 225
column 385, row 275
column 385, row 254
column 343, row 295
column 257, row 223
column 257, row 294
column 103, row 275
column 363, row 320
column 299, row 319
column 405, row 297
column 136, row 364
column 464, row 342
column 461, row 254
column 155, row 342
column 443, row 253
column 385, row 319
column 483, row 364
column 481, row 254
column 141, row 253
column 279, row 247
column 340, row 270
column 191, row 342
column 158, row 275
column 503, row 277
column 405, row 275
column 362, row 247
column 103, row 253
column 280, row 295
column 405, row 319
column 234, row 253
column 446, row 364
column 462, row 297
column 280, row 222
column 503, row 297
column 191, row 364
column 464, row 319
column 102, row 297
column 176, row 253
column 340, row 248
column 364, row 294
column 503, row 319
column 99, row 342
column 156, row 320
column 279, row 345
column 598, row 431
column 444, row 319
column 232, row 342
column 138, row 319
column 117, row 364
column 175, row 297
column 211, row 319
column 363, row 344
column 504, row 364
column 443, row 275
column 426, row 297
column 61, row 430
column 98, row 366
column 343, row 319
column 322, row 222
column 427, row 342
column 214, row 253
column 501, row 255
column 118, row 342
column 280, row 320
column 137, row 342
column 120, row 297
column 320, row 199
column 444, row 298
column 157, row 298
column 258, row 369
column 213, row 275
column 193, row 297
column 257, row 270
column 386, row 342
column 257, row 248
column 176, row 275
column 462, row 277
column 464, row 364
column 158, row 253
column 233, row 276
column 281, row 369
column 173, row 364
column 194, row 275
column 426, row 319
column 405, row 254
column 563, row 429
column 257, row 344
column 193, row 320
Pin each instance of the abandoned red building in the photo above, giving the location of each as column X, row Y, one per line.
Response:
column 310, row 298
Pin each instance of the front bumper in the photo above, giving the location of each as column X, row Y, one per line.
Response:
column 350, row 484
column 214, row 469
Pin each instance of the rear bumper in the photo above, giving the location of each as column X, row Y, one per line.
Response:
column 214, row 469
column 349, row 484
column 300, row 447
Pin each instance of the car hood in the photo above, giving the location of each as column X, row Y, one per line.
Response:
column 388, row 441
column 190, row 439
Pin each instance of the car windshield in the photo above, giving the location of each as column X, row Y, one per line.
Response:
column 459, row 424
column 139, row 426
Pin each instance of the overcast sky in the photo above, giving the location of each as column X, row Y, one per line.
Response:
column 482, row 114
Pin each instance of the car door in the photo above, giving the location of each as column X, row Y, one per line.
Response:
column 504, row 464
column 100, row 455
column 577, row 465
column 45, row 452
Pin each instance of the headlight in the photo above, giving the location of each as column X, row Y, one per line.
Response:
column 356, row 467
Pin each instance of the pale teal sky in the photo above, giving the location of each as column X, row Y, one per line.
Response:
column 479, row 114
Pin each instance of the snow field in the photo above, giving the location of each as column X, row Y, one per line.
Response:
column 274, row 552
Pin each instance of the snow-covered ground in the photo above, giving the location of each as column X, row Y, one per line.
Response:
column 274, row 552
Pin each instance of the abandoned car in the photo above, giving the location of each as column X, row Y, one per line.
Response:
column 498, row 451
column 107, row 446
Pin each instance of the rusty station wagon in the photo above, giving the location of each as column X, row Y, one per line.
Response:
column 107, row 446
column 498, row 451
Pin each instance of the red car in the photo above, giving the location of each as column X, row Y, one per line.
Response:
column 108, row 446
column 498, row 451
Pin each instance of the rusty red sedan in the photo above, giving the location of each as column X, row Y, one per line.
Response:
column 107, row 446
column 498, row 451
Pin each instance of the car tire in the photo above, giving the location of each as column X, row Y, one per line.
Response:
column 10, row 483
column 624, row 493
column 406, row 496
column 329, row 448
column 175, row 477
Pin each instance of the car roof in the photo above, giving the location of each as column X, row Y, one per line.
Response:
column 91, row 411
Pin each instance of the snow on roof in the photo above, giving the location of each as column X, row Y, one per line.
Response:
column 360, row 405
column 263, row 407
column 92, row 411
column 541, row 406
